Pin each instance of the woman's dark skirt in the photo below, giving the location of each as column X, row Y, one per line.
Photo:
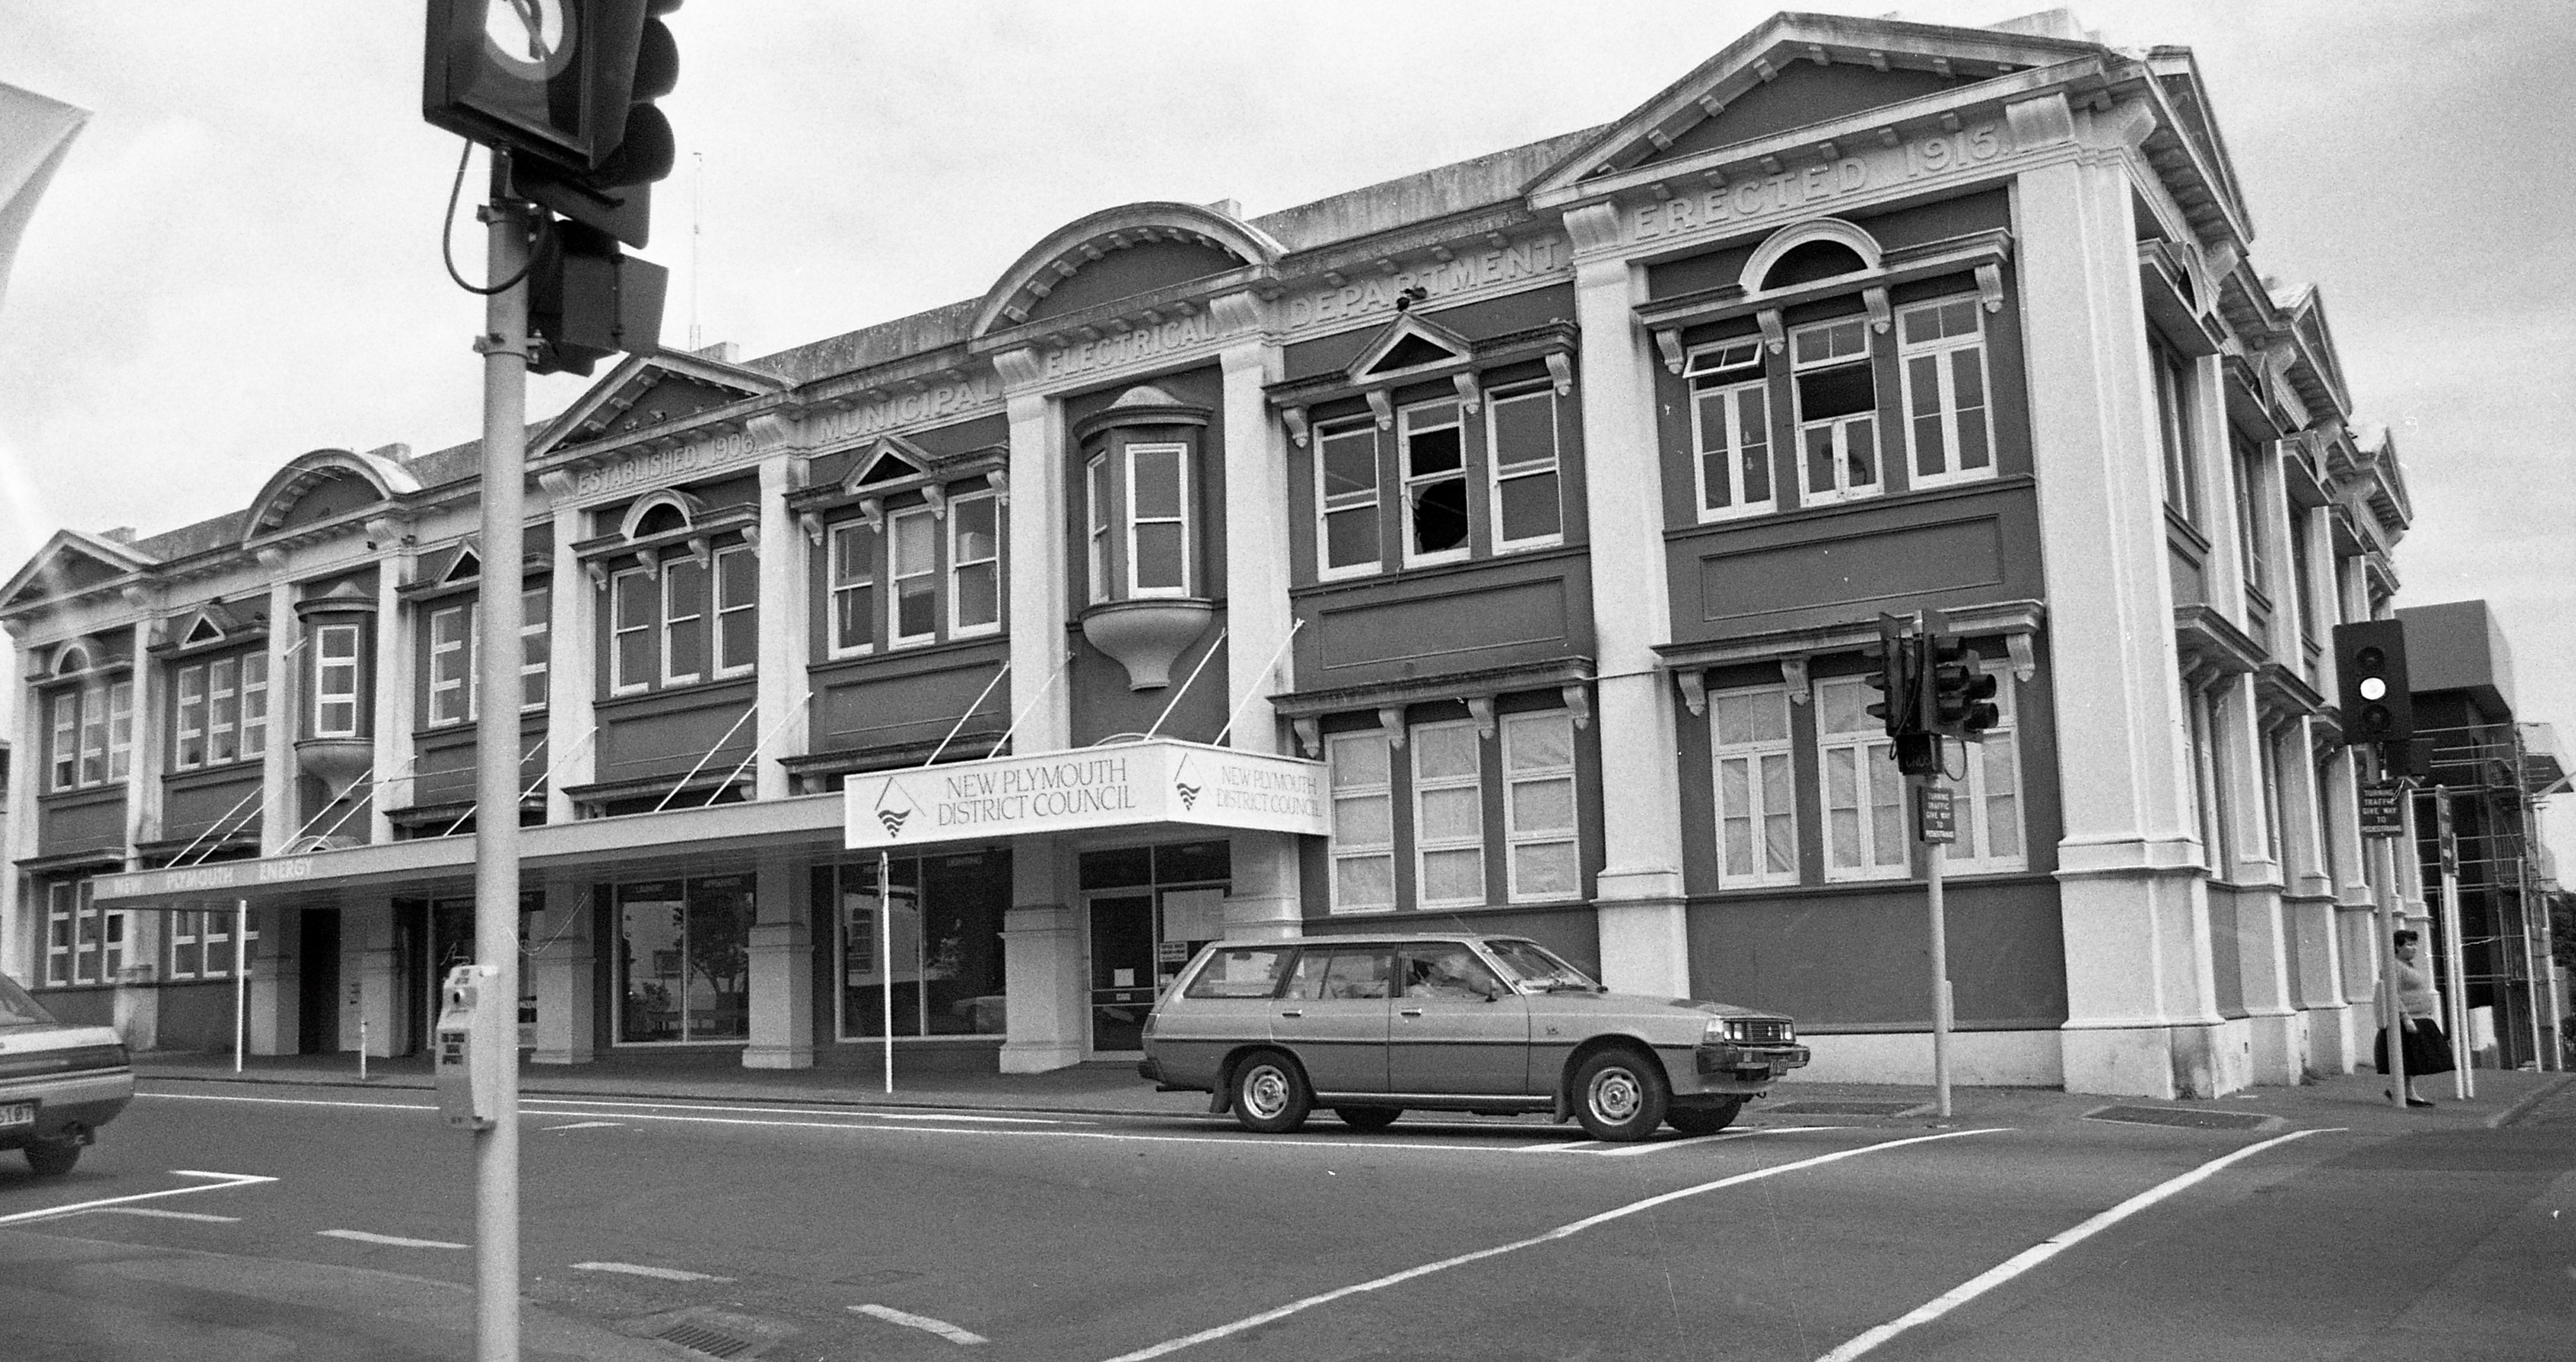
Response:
column 2428, row 1051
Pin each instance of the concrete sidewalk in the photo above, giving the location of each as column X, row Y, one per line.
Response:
column 849, row 1077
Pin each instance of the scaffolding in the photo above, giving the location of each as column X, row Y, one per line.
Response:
column 2494, row 777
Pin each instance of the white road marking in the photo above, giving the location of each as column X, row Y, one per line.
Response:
column 1547, row 1236
column 2046, row 1249
column 287, row 1101
column 871, row 1113
column 942, row 1328
column 229, row 1180
column 668, row 1274
column 395, row 1241
column 586, row 1125
column 165, row 1215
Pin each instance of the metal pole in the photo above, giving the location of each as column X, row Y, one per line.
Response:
column 885, row 958
column 241, row 981
column 2455, row 970
column 1934, row 853
column 2392, row 1013
column 504, row 347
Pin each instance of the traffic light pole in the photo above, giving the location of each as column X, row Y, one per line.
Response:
column 504, row 347
column 1934, row 853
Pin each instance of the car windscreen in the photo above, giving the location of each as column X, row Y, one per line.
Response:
column 1535, row 966
column 17, row 1009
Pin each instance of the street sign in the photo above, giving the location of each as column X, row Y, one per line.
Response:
column 2446, row 834
column 1934, row 819
column 2382, row 814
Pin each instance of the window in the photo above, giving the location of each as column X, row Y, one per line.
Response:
column 1543, row 859
column 67, row 707
column 451, row 665
column 2210, row 800
column 737, row 611
column 631, row 655
column 1158, row 528
column 1448, row 815
column 1731, row 429
column 1942, row 352
column 1863, row 796
column 854, row 588
column 684, row 612
column 219, row 711
column 2173, row 375
column 914, row 571
column 201, row 944
column 684, row 963
column 84, row 944
column 536, row 648
column 2251, row 542
column 93, row 734
column 974, row 566
column 1757, row 787
column 335, row 681
column 1987, row 798
column 1431, row 447
column 1363, row 838
column 1096, row 518
column 1346, row 490
column 1249, row 972
column 1837, row 398
column 1520, row 433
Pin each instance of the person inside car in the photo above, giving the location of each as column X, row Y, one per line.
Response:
column 1451, row 973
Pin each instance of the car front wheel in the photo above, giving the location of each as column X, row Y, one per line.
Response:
column 1704, row 1120
column 1270, row 1095
column 53, row 1158
column 1620, row 1095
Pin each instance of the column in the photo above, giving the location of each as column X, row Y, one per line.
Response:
column 2141, row 1014
column 2275, row 1028
column 279, row 811
column 1265, row 898
column 782, row 967
column 150, row 751
column 786, row 640
column 2307, row 901
column 571, row 660
column 567, row 1032
column 394, row 671
column 275, row 982
column 1643, row 921
column 21, row 948
column 1041, row 940
column 146, row 934
column 367, row 932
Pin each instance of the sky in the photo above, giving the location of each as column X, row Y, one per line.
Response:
column 239, row 259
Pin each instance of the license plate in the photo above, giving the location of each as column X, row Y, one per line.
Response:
column 17, row 1114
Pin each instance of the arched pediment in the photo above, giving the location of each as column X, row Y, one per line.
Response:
column 688, row 507
column 334, row 481
column 1819, row 239
column 1118, row 253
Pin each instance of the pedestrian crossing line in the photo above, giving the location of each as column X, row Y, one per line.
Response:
column 667, row 1274
column 587, row 1125
column 389, row 1240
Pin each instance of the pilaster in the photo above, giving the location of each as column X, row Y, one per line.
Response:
column 2141, row 1000
column 150, row 750
column 1041, row 698
column 1642, row 919
column 279, row 810
column 367, row 929
column 786, row 642
column 1257, row 613
column 276, row 983
column 567, row 1033
column 782, row 968
column 571, row 661
column 1042, row 958
column 20, row 937
column 394, row 672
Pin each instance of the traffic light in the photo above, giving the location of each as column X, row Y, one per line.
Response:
column 587, row 301
column 1895, row 679
column 566, row 87
column 2370, row 672
column 1960, row 697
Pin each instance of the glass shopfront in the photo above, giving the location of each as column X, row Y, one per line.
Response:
column 942, row 938
column 684, row 960
column 1148, row 910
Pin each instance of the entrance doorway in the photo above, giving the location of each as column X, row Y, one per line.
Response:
column 1146, row 911
column 317, row 949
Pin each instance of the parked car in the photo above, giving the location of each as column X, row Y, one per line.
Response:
column 58, row 1083
column 1373, row 1026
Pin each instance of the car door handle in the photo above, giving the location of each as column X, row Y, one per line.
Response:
column 1292, row 1012
column 1411, row 1011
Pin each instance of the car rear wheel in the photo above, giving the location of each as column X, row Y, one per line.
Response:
column 52, row 1159
column 1620, row 1095
column 1270, row 1094
column 1368, row 1118
column 1706, row 1119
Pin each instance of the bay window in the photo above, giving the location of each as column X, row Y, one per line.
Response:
column 1158, row 520
column 335, row 681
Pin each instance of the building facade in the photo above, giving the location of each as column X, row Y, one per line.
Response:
column 1539, row 506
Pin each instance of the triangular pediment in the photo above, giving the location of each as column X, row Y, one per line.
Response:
column 891, row 459
column 70, row 563
column 645, row 391
column 1409, row 344
column 1801, row 71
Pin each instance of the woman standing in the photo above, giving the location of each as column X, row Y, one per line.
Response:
column 2427, row 1050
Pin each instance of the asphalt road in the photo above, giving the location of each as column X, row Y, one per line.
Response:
column 259, row 1222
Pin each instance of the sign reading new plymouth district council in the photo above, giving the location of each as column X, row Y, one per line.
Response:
column 1157, row 780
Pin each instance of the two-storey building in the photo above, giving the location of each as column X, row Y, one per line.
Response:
column 1545, row 501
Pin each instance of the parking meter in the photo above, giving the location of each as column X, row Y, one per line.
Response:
column 469, row 1078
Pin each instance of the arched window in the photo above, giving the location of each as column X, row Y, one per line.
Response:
column 1810, row 261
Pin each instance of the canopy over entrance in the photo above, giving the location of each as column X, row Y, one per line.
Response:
column 1146, row 783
